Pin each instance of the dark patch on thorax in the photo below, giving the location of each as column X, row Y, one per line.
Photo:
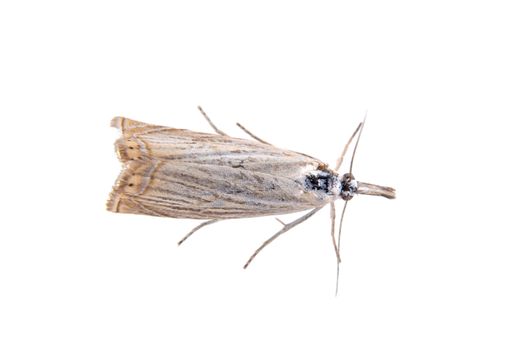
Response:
column 323, row 180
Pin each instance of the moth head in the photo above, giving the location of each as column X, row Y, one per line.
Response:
column 348, row 186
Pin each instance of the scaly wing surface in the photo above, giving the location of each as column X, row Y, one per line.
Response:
column 142, row 141
column 185, row 174
column 200, row 191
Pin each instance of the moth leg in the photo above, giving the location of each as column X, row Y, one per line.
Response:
column 217, row 130
column 332, row 218
column 252, row 135
column 196, row 228
column 281, row 231
column 339, row 246
column 280, row 221
column 345, row 149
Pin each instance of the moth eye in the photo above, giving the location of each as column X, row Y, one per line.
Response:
column 130, row 185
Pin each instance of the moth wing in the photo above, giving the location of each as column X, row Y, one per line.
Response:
column 201, row 191
column 141, row 141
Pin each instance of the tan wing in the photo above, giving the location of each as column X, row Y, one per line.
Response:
column 142, row 141
column 202, row 191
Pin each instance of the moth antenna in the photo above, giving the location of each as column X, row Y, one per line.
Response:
column 280, row 232
column 196, row 228
column 357, row 142
column 217, row 130
column 339, row 247
column 332, row 219
column 252, row 135
column 345, row 149
column 359, row 129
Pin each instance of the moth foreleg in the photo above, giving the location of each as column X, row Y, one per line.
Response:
column 280, row 232
column 196, row 228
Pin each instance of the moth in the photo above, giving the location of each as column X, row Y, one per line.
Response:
column 180, row 173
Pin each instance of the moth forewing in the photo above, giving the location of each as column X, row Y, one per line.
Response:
column 199, row 191
column 142, row 141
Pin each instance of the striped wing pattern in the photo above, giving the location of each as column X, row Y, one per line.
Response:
column 184, row 174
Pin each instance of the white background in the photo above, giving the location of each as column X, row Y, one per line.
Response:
column 442, row 266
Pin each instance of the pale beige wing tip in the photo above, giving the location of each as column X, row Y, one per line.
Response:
column 132, row 181
column 118, row 122
column 114, row 199
column 129, row 126
column 113, row 202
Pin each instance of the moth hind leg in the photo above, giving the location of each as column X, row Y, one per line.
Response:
column 196, row 228
column 220, row 132
column 217, row 130
column 252, row 135
column 285, row 228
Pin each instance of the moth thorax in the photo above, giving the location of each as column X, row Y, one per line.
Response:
column 348, row 186
column 324, row 181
